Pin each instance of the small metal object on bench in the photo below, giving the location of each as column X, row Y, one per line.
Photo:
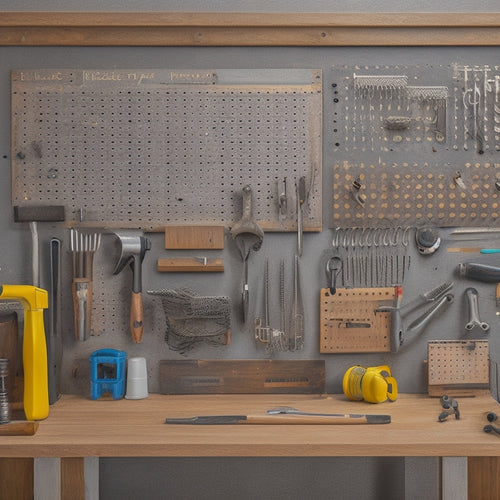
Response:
column 450, row 406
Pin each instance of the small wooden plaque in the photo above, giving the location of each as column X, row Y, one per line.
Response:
column 194, row 237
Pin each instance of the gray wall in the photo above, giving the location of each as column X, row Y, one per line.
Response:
column 246, row 478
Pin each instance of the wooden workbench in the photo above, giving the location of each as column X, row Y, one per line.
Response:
column 79, row 427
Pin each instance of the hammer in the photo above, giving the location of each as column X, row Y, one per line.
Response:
column 133, row 248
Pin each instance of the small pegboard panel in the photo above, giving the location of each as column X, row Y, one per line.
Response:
column 457, row 364
column 350, row 322
column 147, row 148
column 411, row 194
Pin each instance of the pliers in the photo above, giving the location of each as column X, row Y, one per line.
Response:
column 437, row 297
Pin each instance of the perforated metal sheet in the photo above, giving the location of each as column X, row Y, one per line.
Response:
column 349, row 321
column 455, row 362
column 446, row 116
column 416, row 194
column 145, row 148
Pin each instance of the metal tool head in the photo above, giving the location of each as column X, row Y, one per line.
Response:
column 282, row 410
column 246, row 233
column 133, row 247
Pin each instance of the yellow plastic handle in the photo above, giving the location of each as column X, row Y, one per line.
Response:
column 36, row 391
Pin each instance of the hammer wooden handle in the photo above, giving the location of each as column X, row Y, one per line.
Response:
column 19, row 428
column 136, row 317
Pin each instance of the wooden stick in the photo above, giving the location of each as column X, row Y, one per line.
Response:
column 19, row 428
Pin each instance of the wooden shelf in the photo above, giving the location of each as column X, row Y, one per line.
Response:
column 78, row 427
column 249, row 29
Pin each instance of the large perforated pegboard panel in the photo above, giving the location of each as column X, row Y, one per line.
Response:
column 146, row 148
column 416, row 145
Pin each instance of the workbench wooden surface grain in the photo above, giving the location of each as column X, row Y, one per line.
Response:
column 78, row 427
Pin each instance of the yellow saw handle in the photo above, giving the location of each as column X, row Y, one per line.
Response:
column 36, row 391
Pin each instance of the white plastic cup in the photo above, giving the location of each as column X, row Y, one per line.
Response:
column 137, row 379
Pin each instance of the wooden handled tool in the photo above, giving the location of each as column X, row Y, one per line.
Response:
column 19, row 428
column 282, row 419
column 133, row 248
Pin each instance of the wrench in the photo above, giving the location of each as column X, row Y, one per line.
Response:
column 473, row 301
column 333, row 268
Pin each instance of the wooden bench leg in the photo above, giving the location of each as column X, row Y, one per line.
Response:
column 484, row 478
column 16, row 478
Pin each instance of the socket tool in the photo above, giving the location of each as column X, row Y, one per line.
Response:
column 437, row 298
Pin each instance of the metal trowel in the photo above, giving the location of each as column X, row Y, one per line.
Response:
column 248, row 236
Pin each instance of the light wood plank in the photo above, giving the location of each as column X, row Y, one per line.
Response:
column 248, row 29
column 245, row 19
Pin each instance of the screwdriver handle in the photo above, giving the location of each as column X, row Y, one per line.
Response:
column 480, row 272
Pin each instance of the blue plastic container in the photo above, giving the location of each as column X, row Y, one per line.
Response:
column 107, row 373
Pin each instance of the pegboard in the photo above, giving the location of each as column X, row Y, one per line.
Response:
column 409, row 107
column 446, row 115
column 146, row 148
column 458, row 363
column 350, row 322
column 412, row 194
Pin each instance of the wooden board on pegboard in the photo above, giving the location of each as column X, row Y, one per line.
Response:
column 350, row 322
column 457, row 366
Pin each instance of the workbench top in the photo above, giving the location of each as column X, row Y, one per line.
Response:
column 78, row 427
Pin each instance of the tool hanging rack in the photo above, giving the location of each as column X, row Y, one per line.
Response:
column 147, row 148
column 392, row 115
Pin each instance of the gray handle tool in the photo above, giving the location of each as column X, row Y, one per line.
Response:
column 480, row 272
column 473, row 302
column 53, row 335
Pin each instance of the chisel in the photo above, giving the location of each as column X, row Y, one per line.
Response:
column 283, row 419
